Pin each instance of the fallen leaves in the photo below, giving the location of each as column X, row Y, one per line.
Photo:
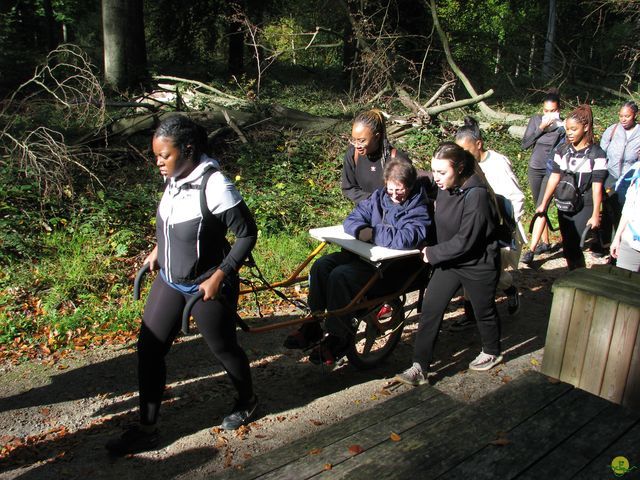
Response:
column 355, row 449
column 501, row 440
column 394, row 437
column 315, row 451
column 317, row 423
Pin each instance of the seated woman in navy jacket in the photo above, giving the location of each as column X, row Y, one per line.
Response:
column 395, row 216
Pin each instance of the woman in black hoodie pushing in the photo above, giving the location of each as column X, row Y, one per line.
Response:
column 466, row 254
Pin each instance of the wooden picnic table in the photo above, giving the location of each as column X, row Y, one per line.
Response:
column 531, row 428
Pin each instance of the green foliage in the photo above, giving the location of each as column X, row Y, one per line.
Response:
column 293, row 187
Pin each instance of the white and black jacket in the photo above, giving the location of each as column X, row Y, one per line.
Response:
column 191, row 239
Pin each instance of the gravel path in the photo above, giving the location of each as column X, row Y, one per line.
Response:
column 55, row 419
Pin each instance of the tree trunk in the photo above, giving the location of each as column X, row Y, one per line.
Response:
column 52, row 34
column 125, row 58
column 547, row 62
column 235, row 33
column 136, row 45
column 348, row 50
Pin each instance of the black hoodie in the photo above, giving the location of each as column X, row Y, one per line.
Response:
column 465, row 220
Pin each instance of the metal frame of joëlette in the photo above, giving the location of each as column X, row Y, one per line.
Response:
column 353, row 306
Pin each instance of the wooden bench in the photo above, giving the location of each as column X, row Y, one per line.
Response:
column 593, row 339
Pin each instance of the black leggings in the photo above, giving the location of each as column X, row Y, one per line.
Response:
column 571, row 228
column 160, row 325
column 480, row 288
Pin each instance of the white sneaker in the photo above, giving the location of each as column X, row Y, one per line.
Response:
column 484, row 362
column 412, row 375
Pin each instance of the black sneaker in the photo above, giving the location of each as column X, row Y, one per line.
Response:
column 527, row 257
column 513, row 300
column 241, row 415
column 542, row 248
column 133, row 440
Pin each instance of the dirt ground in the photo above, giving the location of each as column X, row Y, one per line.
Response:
column 55, row 420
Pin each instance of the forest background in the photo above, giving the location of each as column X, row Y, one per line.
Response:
column 276, row 83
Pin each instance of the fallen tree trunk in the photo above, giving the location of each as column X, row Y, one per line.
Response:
column 484, row 108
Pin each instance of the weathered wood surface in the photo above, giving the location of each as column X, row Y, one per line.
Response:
column 530, row 428
column 593, row 333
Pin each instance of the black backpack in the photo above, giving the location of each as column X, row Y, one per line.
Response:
column 507, row 225
column 568, row 195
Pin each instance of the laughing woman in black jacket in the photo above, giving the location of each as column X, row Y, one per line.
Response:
column 466, row 254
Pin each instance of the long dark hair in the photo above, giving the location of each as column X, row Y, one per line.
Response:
column 583, row 114
column 375, row 121
column 185, row 134
column 461, row 160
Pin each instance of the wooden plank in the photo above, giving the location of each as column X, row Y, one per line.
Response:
column 604, row 316
column 631, row 397
column 293, row 451
column 577, row 337
column 626, row 445
column 624, row 290
column 435, row 448
column 532, row 439
column 559, row 318
column 624, row 337
column 574, row 454
column 338, row 452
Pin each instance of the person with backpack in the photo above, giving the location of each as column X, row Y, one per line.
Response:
column 499, row 174
column 625, row 246
column 621, row 143
column 192, row 255
column 466, row 254
column 543, row 134
column 579, row 170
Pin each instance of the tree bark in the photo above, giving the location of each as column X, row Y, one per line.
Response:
column 547, row 62
column 235, row 51
column 125, row 58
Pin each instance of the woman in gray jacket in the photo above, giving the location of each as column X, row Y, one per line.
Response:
column 621, row 143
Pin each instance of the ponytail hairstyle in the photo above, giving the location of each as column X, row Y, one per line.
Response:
column 375, row 121
column 470, row 130
column 583, row 115
column 552, row 95
column 186, row 135
column 630, row 105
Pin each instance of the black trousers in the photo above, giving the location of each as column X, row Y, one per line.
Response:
column 479, row 284
column 571, row 228
column 611, row 214
column 160, row 324
column 335, row 279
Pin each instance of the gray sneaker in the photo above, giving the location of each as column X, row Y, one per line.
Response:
column 484, row 362
column 412, row 376
column 241, row 414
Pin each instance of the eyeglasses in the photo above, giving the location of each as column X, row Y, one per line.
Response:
column 396, row 191
column 358, row 143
